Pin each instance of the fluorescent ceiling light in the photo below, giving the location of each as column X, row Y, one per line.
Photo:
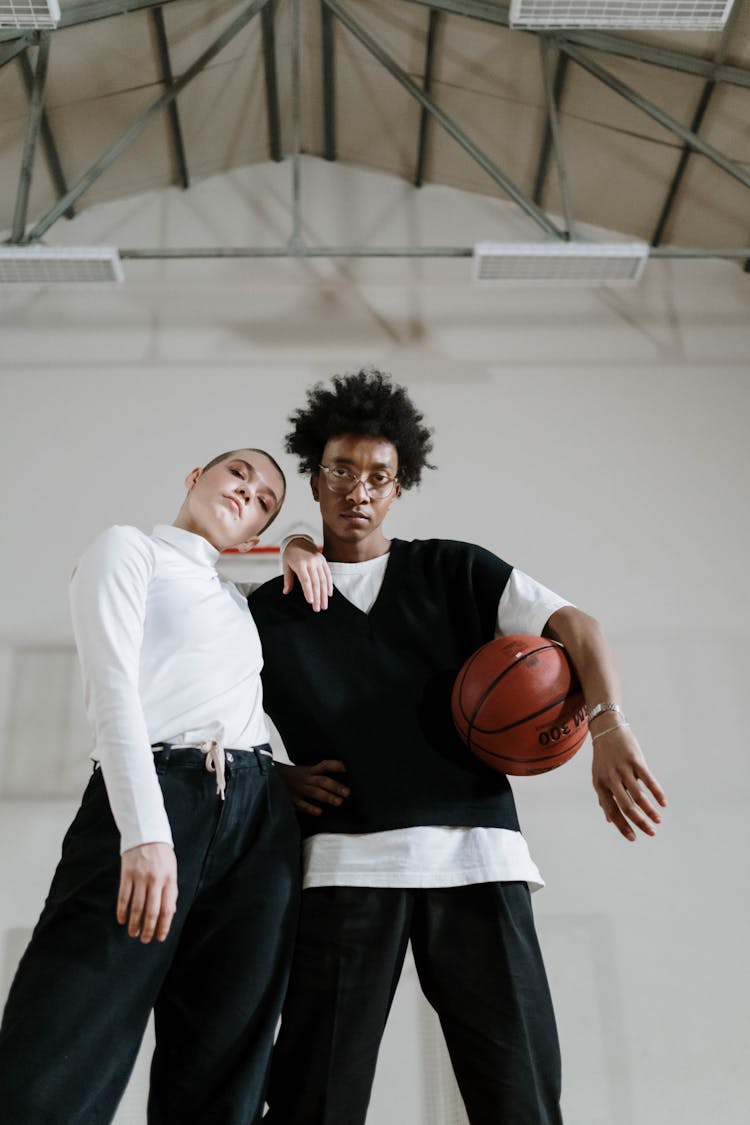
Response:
column 39, row 265
column 569, row 263
column 29, row 13
column 688, row 15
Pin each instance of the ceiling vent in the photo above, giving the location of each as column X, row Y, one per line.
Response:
column 40, row 265
column 551, row 263
column 29, row 13
column 688, row 15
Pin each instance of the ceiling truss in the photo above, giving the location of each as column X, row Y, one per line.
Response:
column 558, row 51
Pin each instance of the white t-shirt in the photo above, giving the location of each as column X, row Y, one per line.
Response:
column 430, row 856
column 168, row 653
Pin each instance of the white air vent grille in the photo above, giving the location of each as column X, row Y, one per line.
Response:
column 39, row 265
column 685, row 14
column 571, row 263
column 29, row 13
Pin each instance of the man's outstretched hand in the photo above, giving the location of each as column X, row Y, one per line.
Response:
column 310, row 784
column 623, row 781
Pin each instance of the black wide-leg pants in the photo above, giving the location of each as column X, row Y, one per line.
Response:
column 480, row 967
column 84, row 990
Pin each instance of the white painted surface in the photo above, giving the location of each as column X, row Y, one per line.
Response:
column 596, row 439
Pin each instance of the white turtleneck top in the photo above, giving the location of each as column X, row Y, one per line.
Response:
column 168, row 653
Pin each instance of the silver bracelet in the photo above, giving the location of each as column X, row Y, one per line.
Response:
column 600, row 708
column 601, row 733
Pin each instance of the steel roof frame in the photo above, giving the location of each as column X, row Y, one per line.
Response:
column 333, row 12
column 51, row 153
column 136, row 129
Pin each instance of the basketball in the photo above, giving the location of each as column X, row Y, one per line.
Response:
column 517, row 704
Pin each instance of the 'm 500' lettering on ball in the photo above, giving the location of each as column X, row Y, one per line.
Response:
column 518, row 706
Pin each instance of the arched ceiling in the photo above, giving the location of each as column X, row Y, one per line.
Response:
column 643, row 133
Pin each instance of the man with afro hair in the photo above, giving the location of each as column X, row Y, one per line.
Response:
column 408, row 837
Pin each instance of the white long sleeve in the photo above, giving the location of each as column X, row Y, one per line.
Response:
column 168, row 651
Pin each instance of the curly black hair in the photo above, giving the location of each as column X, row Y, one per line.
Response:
column 365, row 403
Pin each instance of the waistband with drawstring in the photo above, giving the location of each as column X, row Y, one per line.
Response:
column 215, row 758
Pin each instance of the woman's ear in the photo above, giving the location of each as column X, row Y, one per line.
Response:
column 191, row 478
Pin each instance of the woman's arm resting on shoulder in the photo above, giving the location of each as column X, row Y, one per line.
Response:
column 300, row 557
column 619, row 771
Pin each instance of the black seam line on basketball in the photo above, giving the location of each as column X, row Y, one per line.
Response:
column 470, row 722
column 527, row 718
column 558, row 749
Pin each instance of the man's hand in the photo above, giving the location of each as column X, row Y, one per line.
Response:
column 311, row 783
column 147, row 898
column 302, row 557
column 620, row 774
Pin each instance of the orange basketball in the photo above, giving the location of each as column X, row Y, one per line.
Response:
column 518, row 705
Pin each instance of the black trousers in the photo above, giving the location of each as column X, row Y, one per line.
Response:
column 84, row 990
column 480, row 967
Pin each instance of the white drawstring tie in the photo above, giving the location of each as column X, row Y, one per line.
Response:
column 215, row 759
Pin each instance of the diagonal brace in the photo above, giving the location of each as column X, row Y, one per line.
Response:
column 648, row 107
column 553, row 127
column 167, row 77
column 48, row 141
column 33, row 128
column 450, row 126
column 134, row 132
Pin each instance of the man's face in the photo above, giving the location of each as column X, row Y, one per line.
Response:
column 353, row 516
column 230, row 503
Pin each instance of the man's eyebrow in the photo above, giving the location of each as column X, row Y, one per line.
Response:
column 254, row 472
column 347, row 461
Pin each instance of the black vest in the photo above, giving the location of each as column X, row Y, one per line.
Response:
column 374, row 689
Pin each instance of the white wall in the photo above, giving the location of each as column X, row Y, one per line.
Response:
column 596, row 439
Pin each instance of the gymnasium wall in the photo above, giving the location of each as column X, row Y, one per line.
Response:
column 596, row 439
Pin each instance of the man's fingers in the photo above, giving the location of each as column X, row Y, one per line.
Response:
column 328, row 765
column 327, row 796
column 307, row 807
column 320, row 787
column 614, row 816
column 651, row 783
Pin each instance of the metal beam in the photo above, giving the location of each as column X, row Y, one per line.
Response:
column 450, row 126
column 134, row 132
column 198, row 252
column 557, row 145
column 17, row 47
column 273, row 116
column 660, row 56
column 546, row 148
column 700, row 112
column 657, row 114
column 168, row 79
column 424, row 118
column 89, row 11
column 33, row 128
column 48, row 141
column 488, row 12
column 304, row 252
column 329, row 84
column 295, row 241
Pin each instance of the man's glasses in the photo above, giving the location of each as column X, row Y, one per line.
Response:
column 378, row 486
